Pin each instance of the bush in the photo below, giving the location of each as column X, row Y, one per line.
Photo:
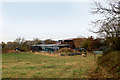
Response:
column 66, row 51
column 111, row 62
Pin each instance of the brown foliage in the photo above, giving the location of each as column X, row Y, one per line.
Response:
column 9, row 51
column 66, row 50
column 78, row 42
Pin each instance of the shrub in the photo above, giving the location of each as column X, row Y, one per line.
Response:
column 111, row 62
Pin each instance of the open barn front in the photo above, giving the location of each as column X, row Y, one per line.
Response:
column 48, row 47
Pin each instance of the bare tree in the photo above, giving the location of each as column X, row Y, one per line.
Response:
column 20, row 40
column 109, row 24
column 36, row 41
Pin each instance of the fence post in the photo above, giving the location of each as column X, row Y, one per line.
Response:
column 94, row 56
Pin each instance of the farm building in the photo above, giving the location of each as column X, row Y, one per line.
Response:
column 48, row 47
column 70, row 43
column 73, row 42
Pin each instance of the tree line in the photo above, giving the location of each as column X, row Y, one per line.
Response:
column 24, row 45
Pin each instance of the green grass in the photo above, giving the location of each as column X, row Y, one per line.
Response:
column 29, row 65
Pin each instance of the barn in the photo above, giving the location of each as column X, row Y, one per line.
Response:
column 48, row 47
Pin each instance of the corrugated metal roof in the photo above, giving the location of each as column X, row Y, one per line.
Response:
column 51, row 45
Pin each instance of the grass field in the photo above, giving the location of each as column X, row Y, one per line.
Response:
column 29, row 65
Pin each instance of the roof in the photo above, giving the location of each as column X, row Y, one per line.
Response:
column 73, row 38
column 43, row 45
column 69, row 39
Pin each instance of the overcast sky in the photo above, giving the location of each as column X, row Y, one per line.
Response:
column 44, row 20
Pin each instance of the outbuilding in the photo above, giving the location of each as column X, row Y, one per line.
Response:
column 48, row 47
